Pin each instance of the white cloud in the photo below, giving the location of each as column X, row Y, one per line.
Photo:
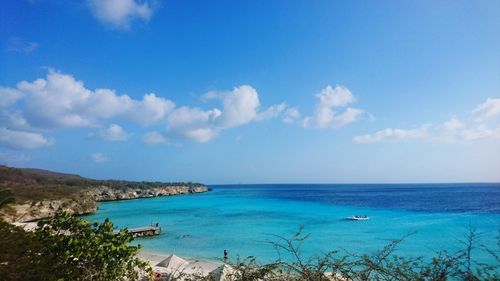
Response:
column 330, row 97
column 193, row 123
column 239, row 106
column 114, row 133
column 13, row 120
column 70, row 103
column 200, row 134
column 450, row 131
column 9, row 96
column 151, row 109
column 73, row 105
column 99, row 157
column 154, row 137
column 120, row 13
column 326, row 114
column 393, row 135
column 479, row 133
column 487, row 109
column 452, row 125
column 271, row 112
column 22, row 140
column 292, row 115
column 212, row 95
column 59, row 101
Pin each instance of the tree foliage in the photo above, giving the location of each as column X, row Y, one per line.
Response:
column 6, row 197
column 68, row 248
column 78, row 250
column 19, row 254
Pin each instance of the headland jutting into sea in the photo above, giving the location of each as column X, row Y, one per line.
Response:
column 40, row 194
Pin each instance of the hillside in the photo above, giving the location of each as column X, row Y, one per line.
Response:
column 40, row 193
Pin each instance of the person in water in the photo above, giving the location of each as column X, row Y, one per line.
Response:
column 225, row 255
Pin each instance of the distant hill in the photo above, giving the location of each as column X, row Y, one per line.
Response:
column 39, row 193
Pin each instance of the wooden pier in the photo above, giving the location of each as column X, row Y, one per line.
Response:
column 142, row 231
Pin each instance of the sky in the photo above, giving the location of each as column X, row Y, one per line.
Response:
column 232, row 91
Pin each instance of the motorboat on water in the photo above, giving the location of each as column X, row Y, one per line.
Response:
column 357, row 218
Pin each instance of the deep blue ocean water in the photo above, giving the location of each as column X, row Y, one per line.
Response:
column 244, row 218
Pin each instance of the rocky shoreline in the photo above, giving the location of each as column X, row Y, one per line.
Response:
column 87, row 201
column 106, row 193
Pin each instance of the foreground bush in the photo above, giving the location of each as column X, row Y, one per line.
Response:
column 381, row 265
column 67, row 248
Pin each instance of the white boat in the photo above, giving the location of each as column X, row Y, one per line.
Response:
column 357, row 218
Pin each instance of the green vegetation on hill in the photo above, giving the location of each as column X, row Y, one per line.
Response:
column 36, row 184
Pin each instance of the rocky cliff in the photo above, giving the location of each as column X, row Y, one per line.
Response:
column 36, row 210
column 40, row 194
column 106, row 193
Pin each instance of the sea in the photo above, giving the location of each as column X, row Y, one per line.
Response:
column 247, row 220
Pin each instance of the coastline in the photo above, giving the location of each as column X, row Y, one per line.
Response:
column 32, row 211
column 37, row 194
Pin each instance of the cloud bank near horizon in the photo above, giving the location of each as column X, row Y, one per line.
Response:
column 482, row 123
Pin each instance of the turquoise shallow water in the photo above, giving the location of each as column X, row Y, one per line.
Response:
column 242, row 218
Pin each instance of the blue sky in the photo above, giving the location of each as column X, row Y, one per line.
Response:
column 252, row 91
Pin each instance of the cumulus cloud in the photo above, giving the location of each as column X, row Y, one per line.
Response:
column 452, row 130
column 193, row 123
column 9, row 96
column 99, row 157
column 13, row 120
column 327, row 113
column 59, row 101
column 72, row 105
column 121, row 13
column 22, row 140
column 114, row 133
column 239, row 106
column 487, row 109
column 393, row 135
column 153, row 137
column 151, row 109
